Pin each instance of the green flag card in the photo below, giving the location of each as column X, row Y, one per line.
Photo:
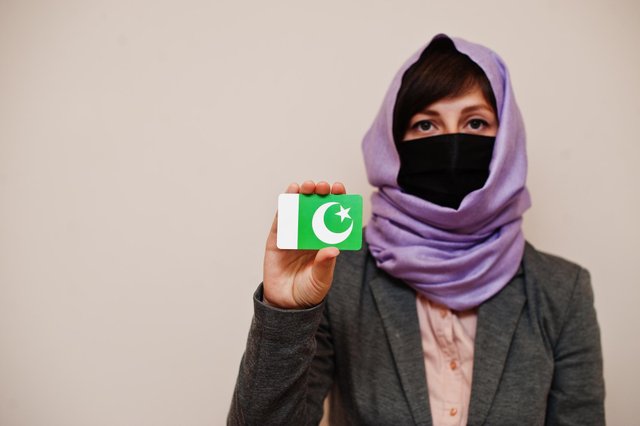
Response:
column 311, row 222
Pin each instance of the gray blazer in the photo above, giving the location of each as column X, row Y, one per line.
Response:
column 537, row 356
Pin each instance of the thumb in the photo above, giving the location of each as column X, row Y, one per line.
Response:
column 316, row 288
column 323, row 266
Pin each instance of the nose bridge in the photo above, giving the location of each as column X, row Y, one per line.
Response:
column 451, row 122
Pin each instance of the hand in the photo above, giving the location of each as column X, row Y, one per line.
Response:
column 298, row 279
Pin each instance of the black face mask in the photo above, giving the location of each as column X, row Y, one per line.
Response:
column 443, row 169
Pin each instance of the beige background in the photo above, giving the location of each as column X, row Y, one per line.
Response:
column 143, row 144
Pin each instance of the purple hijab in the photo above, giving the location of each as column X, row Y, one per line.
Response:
column 458, row 258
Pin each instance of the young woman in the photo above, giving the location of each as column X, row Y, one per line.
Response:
column 446, row 316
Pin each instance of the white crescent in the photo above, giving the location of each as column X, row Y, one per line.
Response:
column 322, row 232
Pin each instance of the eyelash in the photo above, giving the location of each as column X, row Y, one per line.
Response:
column 479, row 121
column 419, row 123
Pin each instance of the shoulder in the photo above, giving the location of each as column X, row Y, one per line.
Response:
column 553, row 266
column 552, row 274
column 555, row 287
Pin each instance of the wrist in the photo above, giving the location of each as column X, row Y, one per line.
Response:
column 285, row 305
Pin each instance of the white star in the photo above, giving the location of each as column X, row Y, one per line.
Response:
column 343, row 213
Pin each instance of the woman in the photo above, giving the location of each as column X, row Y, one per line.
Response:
column 446, row 316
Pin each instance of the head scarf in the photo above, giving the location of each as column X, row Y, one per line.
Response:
column 458, row 258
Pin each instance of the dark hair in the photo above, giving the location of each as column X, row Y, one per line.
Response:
column 440, row 72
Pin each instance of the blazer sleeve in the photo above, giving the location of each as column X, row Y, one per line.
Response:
column 287, row 368
column 577, row 391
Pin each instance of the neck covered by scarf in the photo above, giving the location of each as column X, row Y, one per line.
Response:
column 458, row 258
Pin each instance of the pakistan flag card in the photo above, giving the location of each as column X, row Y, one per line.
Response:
column 311, row 222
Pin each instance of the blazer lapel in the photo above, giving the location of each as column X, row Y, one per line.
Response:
column 497, row 321
column 396, row 303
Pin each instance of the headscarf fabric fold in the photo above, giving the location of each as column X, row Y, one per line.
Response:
column 458, row 258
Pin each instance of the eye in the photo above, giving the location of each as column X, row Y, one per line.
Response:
column 423, row 125
column 477, row 124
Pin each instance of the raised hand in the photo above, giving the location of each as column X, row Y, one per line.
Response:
column 297, row 279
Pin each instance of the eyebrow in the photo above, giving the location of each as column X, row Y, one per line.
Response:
column 472, row 108
column 465, row 110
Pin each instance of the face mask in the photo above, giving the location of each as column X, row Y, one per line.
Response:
column 444, row 169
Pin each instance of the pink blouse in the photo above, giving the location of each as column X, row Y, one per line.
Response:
column 447, row 345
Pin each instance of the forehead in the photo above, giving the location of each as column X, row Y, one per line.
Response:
column 473, row 98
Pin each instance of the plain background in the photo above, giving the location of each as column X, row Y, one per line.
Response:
column 143, row 145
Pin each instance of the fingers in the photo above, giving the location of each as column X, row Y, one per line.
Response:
column 308, row 187
column 322, row 271
column 321, row 188
column 293, row 188
column 323, row 265
column 327, row 253
column 322, row 274
column 338, row 188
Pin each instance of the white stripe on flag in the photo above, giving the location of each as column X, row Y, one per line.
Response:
column 288, row 221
